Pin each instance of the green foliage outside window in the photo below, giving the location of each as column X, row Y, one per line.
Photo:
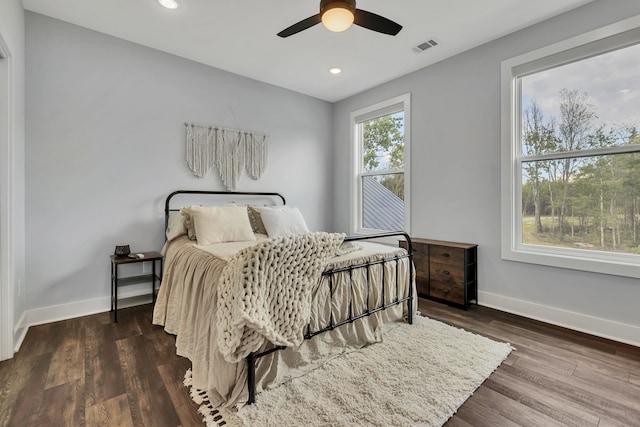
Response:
column 585, row 202
column 383, row 150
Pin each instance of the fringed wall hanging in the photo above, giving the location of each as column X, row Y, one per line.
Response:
column 230, row 150
column 200, row 149
column 255, row 155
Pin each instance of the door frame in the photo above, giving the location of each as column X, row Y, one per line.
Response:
column 7, row 151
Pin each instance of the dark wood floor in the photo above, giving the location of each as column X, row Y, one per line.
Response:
column 88, row 371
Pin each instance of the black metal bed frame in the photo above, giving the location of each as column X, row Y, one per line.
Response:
column 352, row 317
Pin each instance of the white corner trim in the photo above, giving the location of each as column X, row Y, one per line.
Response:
column 7, row 240
column 622, row 332
column 20, row 332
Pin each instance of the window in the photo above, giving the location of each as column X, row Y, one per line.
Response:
column 380, row 178
column 571, row 153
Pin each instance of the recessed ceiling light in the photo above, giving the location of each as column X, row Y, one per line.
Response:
column 169, row 4
column 335, row 70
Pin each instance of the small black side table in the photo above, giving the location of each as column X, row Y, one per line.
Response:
column 116, row 281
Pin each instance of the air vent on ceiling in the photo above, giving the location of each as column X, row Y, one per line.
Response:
column 425, row 45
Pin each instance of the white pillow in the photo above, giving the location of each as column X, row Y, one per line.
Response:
column 188, row 220
column 218, row 224
column 175, row 226
column 283, row 221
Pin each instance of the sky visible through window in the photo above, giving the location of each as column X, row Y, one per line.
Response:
column 611, row 82
column 571, row 200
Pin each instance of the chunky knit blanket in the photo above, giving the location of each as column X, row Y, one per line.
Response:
column 265, row 292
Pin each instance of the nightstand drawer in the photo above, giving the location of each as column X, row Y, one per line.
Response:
column 447, row 292
column 446, row 273
column 420, row 252
column 422, row 267
column 422, row 286
column 421, row 263
column 446, row 255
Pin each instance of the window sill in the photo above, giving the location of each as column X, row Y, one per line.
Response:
column 627, row 265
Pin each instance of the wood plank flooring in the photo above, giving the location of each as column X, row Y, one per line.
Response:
column 89, row 371
column 556, row 377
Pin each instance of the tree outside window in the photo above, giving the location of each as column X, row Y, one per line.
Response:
column 570, row 181
column 380, row 141
column 576, row 191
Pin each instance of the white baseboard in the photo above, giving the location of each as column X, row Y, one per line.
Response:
column 55, row 313
column 134, row 295
column 604, row 328
column 139, row 294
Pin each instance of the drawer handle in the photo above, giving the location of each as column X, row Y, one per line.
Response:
column 445, row 273
column 445, row 291
column 446, row 255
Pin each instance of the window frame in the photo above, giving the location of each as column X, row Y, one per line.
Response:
column 380, row 109
column 612, row 37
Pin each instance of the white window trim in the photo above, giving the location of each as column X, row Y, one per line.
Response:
column 356, row 161
column 580, row 47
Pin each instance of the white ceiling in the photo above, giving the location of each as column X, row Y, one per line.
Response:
column 240, row 35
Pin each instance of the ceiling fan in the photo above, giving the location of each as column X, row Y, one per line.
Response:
column 338, row 15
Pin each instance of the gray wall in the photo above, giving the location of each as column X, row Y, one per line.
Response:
column 456, row 177
column 12, row 29
column 105, row 145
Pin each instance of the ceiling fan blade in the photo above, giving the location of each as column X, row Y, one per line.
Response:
column 378, row 23
column 300, row 26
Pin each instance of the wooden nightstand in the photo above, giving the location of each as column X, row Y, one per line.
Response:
column 446, row 271
column 117, row 281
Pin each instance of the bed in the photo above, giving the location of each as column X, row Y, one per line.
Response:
column 253, row 310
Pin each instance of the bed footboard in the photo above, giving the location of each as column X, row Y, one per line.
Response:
column 383, row 304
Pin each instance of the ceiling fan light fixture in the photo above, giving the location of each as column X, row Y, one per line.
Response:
column 337, row 19
column 169, row 4
column 337, row 15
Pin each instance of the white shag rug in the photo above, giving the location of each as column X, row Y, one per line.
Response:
column 418, row 376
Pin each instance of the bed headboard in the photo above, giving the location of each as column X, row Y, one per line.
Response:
column 216, row 198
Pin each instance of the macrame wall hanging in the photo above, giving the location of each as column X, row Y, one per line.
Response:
column 230, row 150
